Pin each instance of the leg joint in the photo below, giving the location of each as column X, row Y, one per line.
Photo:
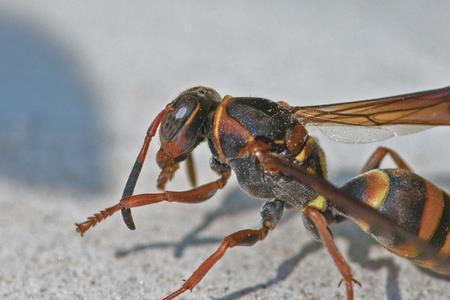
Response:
column 271, row 213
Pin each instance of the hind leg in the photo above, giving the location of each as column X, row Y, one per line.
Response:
column 377, row 157
column 326, row 237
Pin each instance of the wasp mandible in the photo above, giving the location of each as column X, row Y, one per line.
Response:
column 267, row 145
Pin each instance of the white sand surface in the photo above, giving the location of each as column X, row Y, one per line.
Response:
column 80, row 82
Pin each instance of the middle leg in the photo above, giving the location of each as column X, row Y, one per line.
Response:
column 271, row 213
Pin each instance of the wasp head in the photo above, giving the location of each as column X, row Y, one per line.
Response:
column 183, row 127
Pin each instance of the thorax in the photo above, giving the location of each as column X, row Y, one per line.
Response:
column 238, row 121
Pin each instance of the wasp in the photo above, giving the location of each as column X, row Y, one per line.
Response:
column 268, row 147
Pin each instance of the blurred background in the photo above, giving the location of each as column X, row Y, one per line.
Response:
column 81, row 81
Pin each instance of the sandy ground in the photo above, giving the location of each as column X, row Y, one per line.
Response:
column 80, row 84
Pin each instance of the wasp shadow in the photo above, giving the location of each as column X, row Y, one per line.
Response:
column 359, row 247
column 49, row 133
column 236, row 202
column 283, row 272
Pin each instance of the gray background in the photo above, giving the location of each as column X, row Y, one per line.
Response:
column 79, row 83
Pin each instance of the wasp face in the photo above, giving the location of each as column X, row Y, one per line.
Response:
column 183, row 126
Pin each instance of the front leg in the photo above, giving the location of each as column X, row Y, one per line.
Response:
column 271, row 213
column 196, row 195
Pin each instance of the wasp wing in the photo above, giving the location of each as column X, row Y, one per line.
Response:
column 365, row 134
column 377, row 119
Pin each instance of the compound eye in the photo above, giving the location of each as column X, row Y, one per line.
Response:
column 176, row 118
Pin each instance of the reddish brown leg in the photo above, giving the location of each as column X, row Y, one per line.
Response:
column 196, row 195
column 166, row 175
column 246, row 237
column 377, row 157
column 325, row 236
column 169, row 168
column 271, row 213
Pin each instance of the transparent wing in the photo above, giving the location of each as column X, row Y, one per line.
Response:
column 374, row 120
column 365, row 134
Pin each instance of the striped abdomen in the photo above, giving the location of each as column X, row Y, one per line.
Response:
column 416, row 205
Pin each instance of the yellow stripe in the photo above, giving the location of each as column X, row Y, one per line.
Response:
column 301, row 156
column 376, row 191
column 377, row 188
column 411, row 251
column 432, row 212
column 216, row 127
column 431, row 217
column 429, row 222
column 319, row 203
column 306, row 149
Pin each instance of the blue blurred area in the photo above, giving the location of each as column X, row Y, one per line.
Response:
column 48, row 124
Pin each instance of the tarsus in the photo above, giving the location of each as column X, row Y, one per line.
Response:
column 96, row 218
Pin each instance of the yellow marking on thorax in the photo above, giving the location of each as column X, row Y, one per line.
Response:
column 303, row 155
column 279, row 142
column 216, row 127
column 319, row 203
